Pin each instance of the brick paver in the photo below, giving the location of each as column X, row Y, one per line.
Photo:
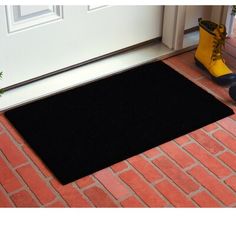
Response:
column 23, row 199
column 149, row 172
column 203, row 199
column 207, row 160
column 217, row 188
column 176, row 174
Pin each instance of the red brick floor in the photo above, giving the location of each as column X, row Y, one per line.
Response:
column 195, row 170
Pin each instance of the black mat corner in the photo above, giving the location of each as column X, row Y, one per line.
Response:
column 94, row 126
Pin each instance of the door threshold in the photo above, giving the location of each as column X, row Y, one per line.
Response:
column 86, row 74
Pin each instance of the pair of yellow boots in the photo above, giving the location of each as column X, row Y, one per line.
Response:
column 208, row 55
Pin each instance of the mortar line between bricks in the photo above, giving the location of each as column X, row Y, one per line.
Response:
column 186, row 144
column 37, row 170
column 2, row 189
column 82, row 193
column 220, row 128
column 156, row 156
column 99, row 185
column 181, row 145
column 149, row 158
column 209, row 193
column 132, row 192
column 42, row 177
column 125, row 197
column 192, row 194
column 28, row 190
column 28, row 158
column 226, row 131
column 181, row 190
column 19, row 178
column 186, row 169
column 221, row 180
column 176, row 186
column 33, row 195
column 86, row 187
column 218, row 158
column 18, row 190
column 45, row 179
column 220, row 153
column 150, row 161
column 57, row 194
column 212, row 194
column 158, row 181
column 182, row 170
column 31, row 162
column 195, row 141
column 152, row 158
column 212, row 131
column 213, row 156
column 206, row 168
column 10, row 134
column 4, row 157
column 148, row 183
column 121, row 171
column 13, row 140
column 230, row 187
column 196, row 191
column 50, row 203
column 227, row 177
column 183, row 150
column 21, row 165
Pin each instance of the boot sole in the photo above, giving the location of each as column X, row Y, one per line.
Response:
column 220, row 81
column 232, row 91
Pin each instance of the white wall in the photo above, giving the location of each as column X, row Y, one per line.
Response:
column 193, row 13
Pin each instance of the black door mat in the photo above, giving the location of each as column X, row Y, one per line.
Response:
column 83, row 130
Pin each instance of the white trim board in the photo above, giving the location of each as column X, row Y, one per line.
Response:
column 85, row 74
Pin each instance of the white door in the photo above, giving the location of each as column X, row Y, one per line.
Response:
column 37, row 40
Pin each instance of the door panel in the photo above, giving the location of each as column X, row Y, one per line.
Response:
column 20, row 18
column 36, row 40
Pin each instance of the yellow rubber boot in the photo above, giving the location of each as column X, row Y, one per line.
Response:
column 208, row 55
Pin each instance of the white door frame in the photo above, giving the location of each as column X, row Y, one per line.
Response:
column 173, row 26
column 174, row 22
column 222, row 15
column 228, row 19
